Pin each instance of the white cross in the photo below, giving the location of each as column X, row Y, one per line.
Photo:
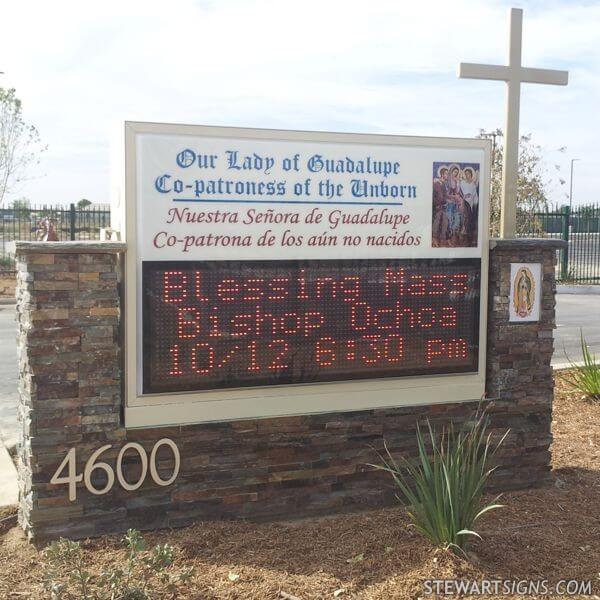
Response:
column 514, row 74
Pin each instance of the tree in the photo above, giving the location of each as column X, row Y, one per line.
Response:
column 83, row 203
column 533, row 183
column 20, row 144
column 21, row 206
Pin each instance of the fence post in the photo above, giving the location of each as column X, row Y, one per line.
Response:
column 564, row 234
column 72, row 216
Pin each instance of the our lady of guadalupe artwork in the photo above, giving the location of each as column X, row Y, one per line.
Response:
column 525, row 291
column 455, row 204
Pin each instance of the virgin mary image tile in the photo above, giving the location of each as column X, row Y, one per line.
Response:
column 525, row 292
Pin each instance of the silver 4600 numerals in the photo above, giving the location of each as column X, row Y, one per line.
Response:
column 72, row 478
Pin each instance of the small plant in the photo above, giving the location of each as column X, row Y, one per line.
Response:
column 444, row 490
column 65, row 575
column 585, row 378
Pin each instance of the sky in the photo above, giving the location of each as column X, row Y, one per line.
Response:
column 386, row 67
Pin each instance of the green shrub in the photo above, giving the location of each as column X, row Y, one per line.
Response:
column 444, row 489
column 585, row 378
column 65, row 574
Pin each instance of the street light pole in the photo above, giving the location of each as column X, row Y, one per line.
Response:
column 571, row 185
column 493, row 135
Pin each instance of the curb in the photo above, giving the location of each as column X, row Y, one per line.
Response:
column 568, row 365
column 578, row 289
column 7, row 301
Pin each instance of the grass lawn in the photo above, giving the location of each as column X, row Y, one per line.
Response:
column 551, row 533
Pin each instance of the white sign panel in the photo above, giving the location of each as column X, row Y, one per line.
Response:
column 224, row 198
column 525, row 292
column 280, row 272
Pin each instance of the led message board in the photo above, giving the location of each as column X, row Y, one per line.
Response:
column 224, row 324
column 278, row 272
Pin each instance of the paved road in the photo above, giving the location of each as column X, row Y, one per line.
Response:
column 8, row 374
column 573, row 313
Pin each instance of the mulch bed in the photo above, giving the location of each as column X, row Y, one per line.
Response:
column 551, row 533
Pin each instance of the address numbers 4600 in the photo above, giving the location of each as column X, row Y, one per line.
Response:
column 72, row 478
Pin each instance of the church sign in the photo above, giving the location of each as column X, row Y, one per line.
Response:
column 275, row 273
column 338, row 282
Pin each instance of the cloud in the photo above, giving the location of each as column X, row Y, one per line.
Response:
column 384, row 67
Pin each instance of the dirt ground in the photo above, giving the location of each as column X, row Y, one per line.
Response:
column 546, row 534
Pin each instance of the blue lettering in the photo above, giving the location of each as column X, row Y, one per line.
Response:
column 160, row 184
column 232, row 159
column 186, row 158
column 358, row 188
column 315, row 163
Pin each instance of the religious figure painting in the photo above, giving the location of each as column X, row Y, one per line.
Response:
column 525, row 290
column 455, row 204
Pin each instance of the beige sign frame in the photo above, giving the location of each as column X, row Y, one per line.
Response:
column 156, row 410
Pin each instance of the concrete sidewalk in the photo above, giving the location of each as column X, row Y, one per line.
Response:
column 578, row 289
column 9, row 490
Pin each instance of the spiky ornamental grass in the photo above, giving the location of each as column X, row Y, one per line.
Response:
column 585, row 378
column 444, row 489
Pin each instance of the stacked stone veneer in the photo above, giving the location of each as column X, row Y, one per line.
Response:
column 69, row 316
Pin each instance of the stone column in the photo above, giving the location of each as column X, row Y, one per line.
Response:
column 519, row 373
column 68, row 317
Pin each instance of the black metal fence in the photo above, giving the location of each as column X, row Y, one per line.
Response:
column 580, row 228
column 70, row 222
